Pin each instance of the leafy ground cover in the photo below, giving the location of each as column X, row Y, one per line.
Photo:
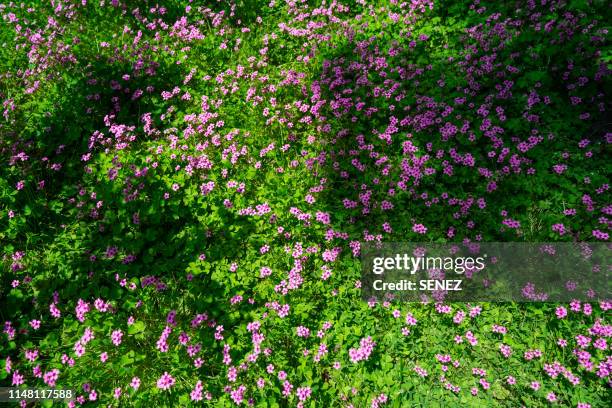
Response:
column 185, row 187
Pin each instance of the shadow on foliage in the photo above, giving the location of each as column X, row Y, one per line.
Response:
column 517, row 194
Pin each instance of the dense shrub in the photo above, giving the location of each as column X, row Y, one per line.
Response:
column 184, row 188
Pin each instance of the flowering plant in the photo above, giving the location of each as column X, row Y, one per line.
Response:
column 186, row 186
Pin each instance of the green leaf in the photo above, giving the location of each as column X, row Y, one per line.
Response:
column 137, row 327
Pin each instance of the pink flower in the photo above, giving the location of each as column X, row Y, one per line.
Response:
column 561, row 312
column 419, row 228
column 560, row 228
column 135, row 383
column 51, row 377
column 366, row 346
column 604, row 236
column 116, row 337
column 303, row 393
column 18, row 379
column 165, row 381
column 505, row 350
column 421, row 371
column 302, row 331
column 196, row 394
